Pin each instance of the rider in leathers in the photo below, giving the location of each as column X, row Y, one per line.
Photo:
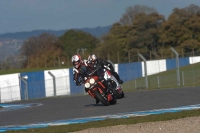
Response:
column 96, row 62
column 80, row 70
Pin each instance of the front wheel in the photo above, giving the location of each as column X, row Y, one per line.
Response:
column 101, row 98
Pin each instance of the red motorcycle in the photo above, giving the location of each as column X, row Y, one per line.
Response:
column 97, row 90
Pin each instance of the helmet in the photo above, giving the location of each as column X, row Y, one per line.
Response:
column 76, row 60
column 92, row 58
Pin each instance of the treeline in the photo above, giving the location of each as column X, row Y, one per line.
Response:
column 141, row 29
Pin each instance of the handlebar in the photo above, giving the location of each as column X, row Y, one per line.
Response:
column 94, row 71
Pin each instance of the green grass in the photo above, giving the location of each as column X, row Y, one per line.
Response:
column 167, row 79
column 112, row 122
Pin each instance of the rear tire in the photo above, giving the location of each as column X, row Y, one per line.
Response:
column 101, row 98
column 122, row 95
column 115, row 93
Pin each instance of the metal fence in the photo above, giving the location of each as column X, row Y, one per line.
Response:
column 189, row 76
column 18, row 62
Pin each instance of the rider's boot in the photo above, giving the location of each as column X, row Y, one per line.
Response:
column 120, row 81
column 117, row 77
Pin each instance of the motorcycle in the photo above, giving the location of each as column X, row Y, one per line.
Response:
column 97, row 90
column 116, row 88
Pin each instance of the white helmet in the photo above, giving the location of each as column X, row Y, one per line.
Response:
column 76, row 60
column 92, row 58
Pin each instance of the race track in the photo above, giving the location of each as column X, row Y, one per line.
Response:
column 63, row 108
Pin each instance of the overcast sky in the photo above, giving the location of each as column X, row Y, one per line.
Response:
column 28, row 15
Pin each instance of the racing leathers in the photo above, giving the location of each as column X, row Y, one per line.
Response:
column 107, row 65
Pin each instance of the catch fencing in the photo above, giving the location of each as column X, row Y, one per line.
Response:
column 59, row 82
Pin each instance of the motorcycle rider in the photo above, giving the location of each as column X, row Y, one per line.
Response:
column 79, row 70
column 104, row 64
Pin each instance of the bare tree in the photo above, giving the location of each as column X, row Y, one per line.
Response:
column 35, row 44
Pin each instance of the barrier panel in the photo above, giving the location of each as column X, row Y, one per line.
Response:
column 154, row 66
column 9, row 88
column 75, row 90
column 130, row 71
column 61, row 85
column 35, row 85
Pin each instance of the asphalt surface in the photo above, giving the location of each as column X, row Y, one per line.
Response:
column 63, row 108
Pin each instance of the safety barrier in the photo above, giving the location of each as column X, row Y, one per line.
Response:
column 49, row 83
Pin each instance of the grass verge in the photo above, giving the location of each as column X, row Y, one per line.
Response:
column 112, row 122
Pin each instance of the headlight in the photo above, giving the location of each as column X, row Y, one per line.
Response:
column 92, row 81
column 87, row 85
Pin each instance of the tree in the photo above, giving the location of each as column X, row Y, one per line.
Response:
column 181, row 30
column 41, row 51
column 74, row 40
column 113, row 44
column 144, row 33
column 124, row 40
column 131, row 11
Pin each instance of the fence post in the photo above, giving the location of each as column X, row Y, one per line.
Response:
column 0, row 95
column 183, row 78
column 177, row 66
column 135, row 84
column 118, row 57
column 158, row 81
column 59, row 61
column 54, row 82
column 24, row 79
column 145, row 69
column 45, row 62
column 37, row 62
column 68, row 61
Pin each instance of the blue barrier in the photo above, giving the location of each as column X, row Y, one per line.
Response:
column 74, row 90
column 36, row 85
column 171, row 63
column 130, row 71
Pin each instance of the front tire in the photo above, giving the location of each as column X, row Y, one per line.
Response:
column 101, row 98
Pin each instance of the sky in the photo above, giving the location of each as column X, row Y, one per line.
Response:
column 28, row 15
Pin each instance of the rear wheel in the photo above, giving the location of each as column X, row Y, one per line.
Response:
column 115, row 93
column 122, row 95
column 101, row 98
column 118, row 96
